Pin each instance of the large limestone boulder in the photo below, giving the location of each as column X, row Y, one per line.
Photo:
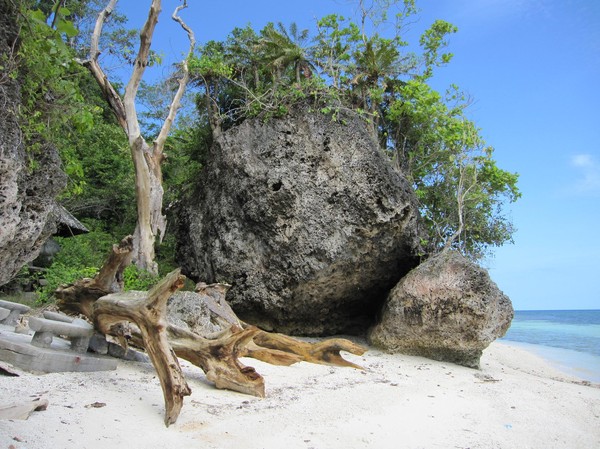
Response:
column 307, row 221
column 447, row 309
column 28, row 182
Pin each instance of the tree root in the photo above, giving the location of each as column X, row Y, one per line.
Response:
column 140, row 318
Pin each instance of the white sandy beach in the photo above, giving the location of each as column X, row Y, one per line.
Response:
column 515, row 401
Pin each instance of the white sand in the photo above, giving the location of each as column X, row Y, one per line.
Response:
column 514, row 401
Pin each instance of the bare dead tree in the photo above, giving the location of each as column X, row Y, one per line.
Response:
column 147, row 159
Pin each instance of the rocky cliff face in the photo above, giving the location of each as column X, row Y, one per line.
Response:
column 28, row 183
column 447, row 309
column 307, row 221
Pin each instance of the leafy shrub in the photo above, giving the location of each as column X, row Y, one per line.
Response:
column 80, row 256
column 84, row 250
column 59, row 274
column 136, row 279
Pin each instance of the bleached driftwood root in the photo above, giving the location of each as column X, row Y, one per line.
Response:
column 148, row 312
column 268, row 346
column 140, row 318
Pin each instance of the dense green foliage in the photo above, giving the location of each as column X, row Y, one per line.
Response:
column 81, row 257
column 63, row 106
column 53, row 107
column 345, row 65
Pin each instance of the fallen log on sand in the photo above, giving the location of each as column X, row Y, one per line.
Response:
column 140, row 318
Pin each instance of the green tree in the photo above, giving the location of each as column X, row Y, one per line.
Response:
column 283, row 50
column 211, row 70
column 105, row 178
column 376, row 63
column 332, row 49
column 54, row 108
column 460, row 188
column 433, row 40
column 243, row 53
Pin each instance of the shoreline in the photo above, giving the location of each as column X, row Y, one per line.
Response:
column 516, row 400
column 580, row 365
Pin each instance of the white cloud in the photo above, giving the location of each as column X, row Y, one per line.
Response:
column 582, row 160
column 588, row 171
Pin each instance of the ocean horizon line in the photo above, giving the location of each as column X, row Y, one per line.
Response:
column 557, row 310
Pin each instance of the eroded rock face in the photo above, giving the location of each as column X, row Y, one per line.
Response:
column 305, row 218
column 446, row 309
column 28, row 185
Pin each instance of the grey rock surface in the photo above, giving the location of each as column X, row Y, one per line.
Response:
column 305, row 218
column 28, row 182
column 204, row 312
column 446, row 309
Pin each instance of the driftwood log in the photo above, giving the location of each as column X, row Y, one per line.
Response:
column 139, row 318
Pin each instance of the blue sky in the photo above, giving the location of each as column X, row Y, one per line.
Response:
column 532, row 68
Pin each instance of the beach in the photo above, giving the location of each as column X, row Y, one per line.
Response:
column 516, row 400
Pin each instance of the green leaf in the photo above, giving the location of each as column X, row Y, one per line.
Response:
column 67, row 27
column 37, row 16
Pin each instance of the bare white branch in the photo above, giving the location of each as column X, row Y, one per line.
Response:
column 139, row 67
column 159, row 143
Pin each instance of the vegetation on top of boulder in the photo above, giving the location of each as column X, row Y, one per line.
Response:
column 427, row 135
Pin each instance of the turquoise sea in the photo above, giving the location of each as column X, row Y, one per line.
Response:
column 568, row 339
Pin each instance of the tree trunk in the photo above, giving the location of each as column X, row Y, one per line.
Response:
column 212, row 108
column 256, row 78
column 151, row 223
